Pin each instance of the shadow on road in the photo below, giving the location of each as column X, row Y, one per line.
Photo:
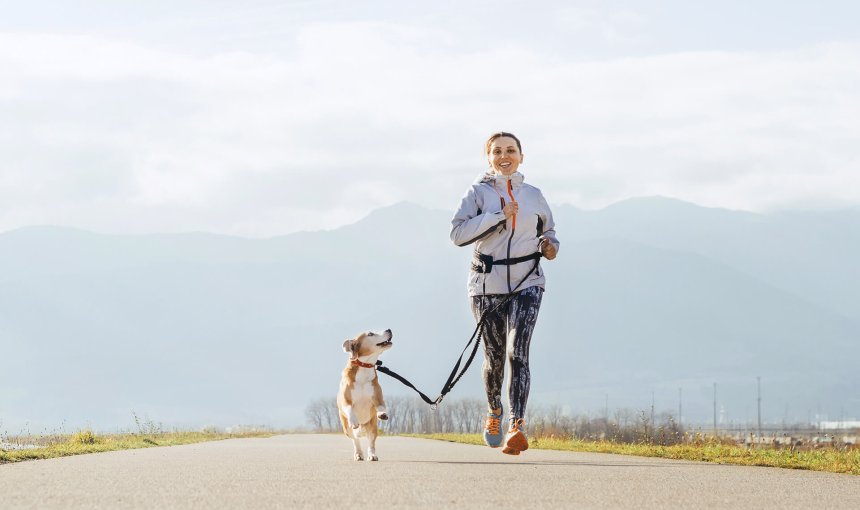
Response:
column 546, row 463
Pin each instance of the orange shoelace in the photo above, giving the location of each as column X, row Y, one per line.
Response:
column 492, row 425
column 517, row 425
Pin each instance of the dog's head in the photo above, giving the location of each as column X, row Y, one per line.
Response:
column 368, row 344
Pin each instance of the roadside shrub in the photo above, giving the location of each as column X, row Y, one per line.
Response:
column 83, row 437
column 146, row 426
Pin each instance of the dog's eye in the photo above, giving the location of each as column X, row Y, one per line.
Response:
column 371, row 334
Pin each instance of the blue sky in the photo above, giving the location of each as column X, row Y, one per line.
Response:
column 264, row 118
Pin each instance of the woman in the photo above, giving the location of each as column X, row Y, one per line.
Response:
column 512, row 227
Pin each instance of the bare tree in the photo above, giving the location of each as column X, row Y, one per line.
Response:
column 408, row 415
column 314, row 415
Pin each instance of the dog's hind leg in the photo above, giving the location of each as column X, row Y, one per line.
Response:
column 352, row 434
column 371, row 432
column 356, row 444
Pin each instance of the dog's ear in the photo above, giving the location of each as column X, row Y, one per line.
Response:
column 348, row 346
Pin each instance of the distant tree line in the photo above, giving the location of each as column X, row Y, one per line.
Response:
column 408, row 415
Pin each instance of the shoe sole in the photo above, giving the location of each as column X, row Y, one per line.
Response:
column 517, row 442
column 510, row 451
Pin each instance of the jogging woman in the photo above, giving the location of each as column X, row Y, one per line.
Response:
column 512, row 228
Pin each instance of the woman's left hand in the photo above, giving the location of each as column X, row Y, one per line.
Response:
column 547, row 249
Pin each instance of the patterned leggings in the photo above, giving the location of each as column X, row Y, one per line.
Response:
column 508, row 330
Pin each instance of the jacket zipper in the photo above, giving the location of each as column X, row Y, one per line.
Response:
column 511, row 238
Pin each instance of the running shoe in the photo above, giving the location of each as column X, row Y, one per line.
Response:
column 493, row 435
column 517, row 441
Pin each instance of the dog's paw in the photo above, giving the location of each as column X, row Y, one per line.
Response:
column 373, row 458
column 357, row 457
column 382, row 416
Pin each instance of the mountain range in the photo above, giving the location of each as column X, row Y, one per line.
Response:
column 647, row 296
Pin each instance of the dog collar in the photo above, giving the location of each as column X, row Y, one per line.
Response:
column 362, row 364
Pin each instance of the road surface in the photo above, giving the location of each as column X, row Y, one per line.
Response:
column 317, row 471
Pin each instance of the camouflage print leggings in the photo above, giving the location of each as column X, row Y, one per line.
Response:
column 508, row 331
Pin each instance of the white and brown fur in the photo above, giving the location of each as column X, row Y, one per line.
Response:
column 359, row 400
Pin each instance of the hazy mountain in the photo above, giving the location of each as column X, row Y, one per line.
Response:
column 811, row 254
column 646, row 295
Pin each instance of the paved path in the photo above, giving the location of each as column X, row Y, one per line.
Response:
column 295, row 471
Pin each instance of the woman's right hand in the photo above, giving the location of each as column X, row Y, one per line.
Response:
column 510, row 210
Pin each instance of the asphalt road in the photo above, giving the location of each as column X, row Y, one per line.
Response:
column 317, row 471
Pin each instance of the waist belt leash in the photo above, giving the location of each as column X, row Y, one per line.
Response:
column 484, row 263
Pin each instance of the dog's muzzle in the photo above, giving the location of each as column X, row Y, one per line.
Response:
column 386, row 343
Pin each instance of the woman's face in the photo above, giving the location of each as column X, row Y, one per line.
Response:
column 505, row 157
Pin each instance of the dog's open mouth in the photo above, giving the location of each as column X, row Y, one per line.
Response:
column 384, row 344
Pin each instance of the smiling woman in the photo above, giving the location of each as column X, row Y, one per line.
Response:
column 505, row 282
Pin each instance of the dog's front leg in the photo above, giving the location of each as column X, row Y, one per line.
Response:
column 356, row 445
column 351, row 418
column 381, row 409
column 371, row 440
column 382, row 412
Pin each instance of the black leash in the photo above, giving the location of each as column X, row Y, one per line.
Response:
column 391, row 373
column 476, row 337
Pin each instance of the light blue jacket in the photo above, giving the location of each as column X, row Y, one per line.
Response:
column 480, row 220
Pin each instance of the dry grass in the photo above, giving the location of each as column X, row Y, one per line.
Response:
column 825, row 459
column 85, row 441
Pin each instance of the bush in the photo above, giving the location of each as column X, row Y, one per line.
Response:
column 83, row 437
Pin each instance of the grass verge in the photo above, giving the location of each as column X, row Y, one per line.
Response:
column 85, row 441
column 825, row 459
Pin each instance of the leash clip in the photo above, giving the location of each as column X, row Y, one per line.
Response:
column 435, row 405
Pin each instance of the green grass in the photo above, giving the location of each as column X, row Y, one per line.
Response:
column 824, row 459
column 85, row 441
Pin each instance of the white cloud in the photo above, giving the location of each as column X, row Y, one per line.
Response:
column 123, row 137
column 610, row 25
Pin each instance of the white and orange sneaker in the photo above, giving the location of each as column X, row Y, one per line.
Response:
column 517, row 441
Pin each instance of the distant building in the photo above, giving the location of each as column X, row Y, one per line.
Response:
column 839, row 425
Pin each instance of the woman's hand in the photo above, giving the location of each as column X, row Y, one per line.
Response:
column 548, row 249
column 510, row 210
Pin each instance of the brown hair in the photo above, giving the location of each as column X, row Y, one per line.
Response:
column 499, row 135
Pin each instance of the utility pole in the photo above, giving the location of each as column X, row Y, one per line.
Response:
column 715, row 409
column 606, row 415
column 818, row 416
column 841, row 417
column 652, row 410
column 606, row 409
column 758, row 378
column 680, row 420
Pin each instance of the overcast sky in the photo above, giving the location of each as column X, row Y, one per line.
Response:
column 261, row 118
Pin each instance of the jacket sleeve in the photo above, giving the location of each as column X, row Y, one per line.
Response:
column 468, row 225
column 548, row 224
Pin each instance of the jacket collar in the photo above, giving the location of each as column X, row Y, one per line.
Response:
column 501, row 181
